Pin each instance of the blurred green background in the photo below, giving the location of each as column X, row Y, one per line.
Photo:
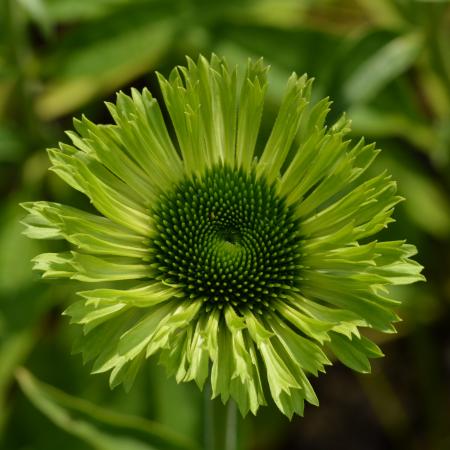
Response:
column 385, row 62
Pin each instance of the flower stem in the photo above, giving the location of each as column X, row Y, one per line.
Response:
column 231, row 426
column 208, row 419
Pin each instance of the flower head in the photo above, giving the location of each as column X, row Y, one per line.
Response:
column 247, row 262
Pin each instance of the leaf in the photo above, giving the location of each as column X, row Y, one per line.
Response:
column 427, row 204
column 101, row 428
column 74, row 10
column 382, row 67
column 89, row 62
column 13, row 350
column 37, row 11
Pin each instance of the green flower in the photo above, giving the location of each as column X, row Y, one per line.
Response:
column 248, row 262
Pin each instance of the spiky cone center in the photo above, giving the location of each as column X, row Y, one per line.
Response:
column 227, row 237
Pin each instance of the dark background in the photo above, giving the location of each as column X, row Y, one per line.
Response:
column 385, row 62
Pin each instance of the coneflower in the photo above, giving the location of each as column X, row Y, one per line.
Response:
column 250, row 262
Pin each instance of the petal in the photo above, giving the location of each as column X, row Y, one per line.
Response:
column 285, row 128
column 251, row 104
column 89, row 232
column 143, row 135
column 354, row 352
column 141, row 297
column 202, row 103
column 79, row 266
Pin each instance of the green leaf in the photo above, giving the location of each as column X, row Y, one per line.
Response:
column 382, row 67
column 13, row 351
column 102, row 55
column 101, row 428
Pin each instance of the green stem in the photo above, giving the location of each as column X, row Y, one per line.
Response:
column 231, row 426
column 208, row 420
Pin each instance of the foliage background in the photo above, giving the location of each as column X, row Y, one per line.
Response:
column 386, row 62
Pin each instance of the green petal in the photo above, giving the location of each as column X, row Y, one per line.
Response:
column 141, row 297
column 373, row 198
column 142, row 133
column 343, row 321
column 109, row 195
column 180, row 318
column 251, row 104
column 285, row 128
column 102, row 143
column 305, row 353
column 90, row 315
column 135, row 340
column 354, row 352
column 241, row 359
column 201, row 100
column 222, row 369
column 54, row 265
column 197, row 355
column 315, row 329
column 310, row 136
column 79, row 266
column 86, row 231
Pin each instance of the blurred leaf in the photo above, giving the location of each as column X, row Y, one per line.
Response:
column 382, row 67
column 383, row 13
column 37, row 11
column 101, row 428
column 88, row 63
column 15, row 251
column 300, row 50
column 177, row 405
column 281, row 13
column 13, row 350
column 74, row 10
column 368, row 121
column 426, row 203
column 12, row 147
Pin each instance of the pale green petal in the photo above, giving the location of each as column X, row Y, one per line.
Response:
column 89, row 268
column 310, row 136
column 202, row 103
column 54, row 265
column 343, row 321
column 285, row 128
column 92, row 269
column 142, row 133
column 90, row 315
column 222, row 369
column 95, row 234
column 375, row 197
column 182, row 315
column 354, row 352
column 251, row 104
column 336, row 171
column 101, row 142
column 136, row 338
column 197, row 355
column 305, row 353
column 141, row 297
column 315, row 329
column 110, row 196
column 367, row 305
column 241, row 359
column 100, row 344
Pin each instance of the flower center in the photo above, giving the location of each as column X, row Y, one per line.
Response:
column 226, row 237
